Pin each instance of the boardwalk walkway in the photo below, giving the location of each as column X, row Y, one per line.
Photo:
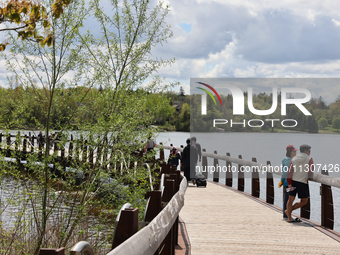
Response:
column 222, row 221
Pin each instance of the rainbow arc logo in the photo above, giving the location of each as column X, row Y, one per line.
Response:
column 204, row 96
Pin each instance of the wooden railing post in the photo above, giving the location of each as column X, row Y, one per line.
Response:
column 84, row 154
column 166, row 167
column 327, row 210
column 126, row 227
column 70, row 151
column 91, row 156
column 240, row 176
column 169, row 191
column 255, row 181
column 24, row 147
column 229, row 173
column 204, row 165
column 106, row 157
column 305, row 210
column 154, row 206
column 16, row 142
column 8, row 145
column 168, row 245
column 32, row 143
column 16, row 148
column 63, row 159
column 40, row 146
column 161, row 152
column 269, row 186
column 55, row 147
column 216, row 172
column 77, row 150
column 176, row 178
column 99, row 154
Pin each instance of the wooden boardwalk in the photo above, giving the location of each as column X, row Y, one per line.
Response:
column 220, row 220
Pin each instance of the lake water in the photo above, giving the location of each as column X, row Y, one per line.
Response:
column 270, row 147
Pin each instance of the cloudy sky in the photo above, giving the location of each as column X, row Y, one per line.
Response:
column 264, row 38
column 251, row 38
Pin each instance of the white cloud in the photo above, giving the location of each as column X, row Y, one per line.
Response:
column 336, row 22
column 244, row 73
column 263, row 38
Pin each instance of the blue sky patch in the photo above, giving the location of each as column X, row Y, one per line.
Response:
column 186, row 27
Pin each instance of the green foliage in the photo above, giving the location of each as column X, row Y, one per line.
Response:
column 323, row 123
column 25, row 15
column 336, row 123
column 335, row 108
column 312, row 125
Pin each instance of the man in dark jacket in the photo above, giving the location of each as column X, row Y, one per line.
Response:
column 198, row 147
column 189, row 160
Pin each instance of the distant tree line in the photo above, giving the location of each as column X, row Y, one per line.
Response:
column 170, row 110
column 22, row 107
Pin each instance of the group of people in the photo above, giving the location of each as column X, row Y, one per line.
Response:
column 190, row 156
column 296, row 169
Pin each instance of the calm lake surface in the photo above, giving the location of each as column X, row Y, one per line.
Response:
column 270, row 147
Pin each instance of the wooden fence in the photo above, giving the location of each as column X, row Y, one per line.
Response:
column 327, row 207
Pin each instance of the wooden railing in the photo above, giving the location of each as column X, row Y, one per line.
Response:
column 73, row 150
column 327, row 182
column 165, row 200
column 66, row 153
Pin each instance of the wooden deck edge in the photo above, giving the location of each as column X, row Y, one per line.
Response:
column 184, row 246
column 329, row 232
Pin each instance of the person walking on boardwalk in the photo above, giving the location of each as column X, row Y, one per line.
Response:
column 189, row 159
column 300, row 168
column 198, row 147
column 174, row 157
column 291, row 152
column 150, row 144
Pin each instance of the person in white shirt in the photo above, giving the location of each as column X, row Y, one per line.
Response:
column 299, row 170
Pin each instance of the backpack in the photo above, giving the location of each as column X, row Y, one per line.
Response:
column 151, row 144
column 200, row 180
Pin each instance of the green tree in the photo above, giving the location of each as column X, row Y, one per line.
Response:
column 323, row 123
column 184, row 119
column 312, row 125
column 181, row 92
column 336, row 123
column 335, row 108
